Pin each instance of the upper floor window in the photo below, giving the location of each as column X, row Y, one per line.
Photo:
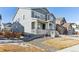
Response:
column 33, row 25
column 18, row 19
column 38, row 15
column 51, row 17
column 23, row 17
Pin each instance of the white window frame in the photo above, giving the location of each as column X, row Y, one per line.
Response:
column 38, row 15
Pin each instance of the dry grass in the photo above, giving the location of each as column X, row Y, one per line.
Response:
column 17, row 48
column 61, row 43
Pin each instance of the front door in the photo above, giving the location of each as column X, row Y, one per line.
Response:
column 43, row 26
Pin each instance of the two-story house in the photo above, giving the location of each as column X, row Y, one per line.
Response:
column 35, row 20
column 60, row 20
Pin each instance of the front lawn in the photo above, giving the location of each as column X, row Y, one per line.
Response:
column 61, row 43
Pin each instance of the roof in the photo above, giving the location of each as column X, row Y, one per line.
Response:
column 53, row 15
column 43, row 8
column 67, row 25
column 73, row 24
column 60, row 18
column 7, row 24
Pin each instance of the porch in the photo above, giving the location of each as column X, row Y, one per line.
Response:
column 42, row 27
column 41, row 31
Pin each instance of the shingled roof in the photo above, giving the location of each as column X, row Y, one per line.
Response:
column 66, row 25
column 60, row 20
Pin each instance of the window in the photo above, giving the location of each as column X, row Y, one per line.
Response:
column 51, row 17
column 23, row 17
column 33, row 25
column 32, row 15
column 18, row 19
column 38, row 15
column 48, row 16
column 50, row 25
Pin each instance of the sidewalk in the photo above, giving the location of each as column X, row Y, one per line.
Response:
column 70, row 49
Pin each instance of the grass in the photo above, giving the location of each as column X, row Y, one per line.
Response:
column 61, row 43
column 58, row 43
column 17, row 48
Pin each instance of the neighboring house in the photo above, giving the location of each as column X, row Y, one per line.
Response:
column 36, row 20
column 12, row 27
column 7, row 27
column 59, row 25
column 0, row 23
column 76, row 28
column 0, row 28
column 60, row 20
column 17, row 27
column 61, row 29
column 69, row 28
column 74, row 25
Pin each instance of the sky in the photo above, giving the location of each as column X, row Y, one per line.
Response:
column 71, row 14
column 7, row 13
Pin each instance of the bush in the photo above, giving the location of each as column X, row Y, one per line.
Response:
column 12, row 34
column 1, row 33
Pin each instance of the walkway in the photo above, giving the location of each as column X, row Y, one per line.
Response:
column 38, row 42
column 70, row 49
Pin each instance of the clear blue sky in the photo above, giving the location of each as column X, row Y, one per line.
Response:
column 7, row 13
column 71, row 14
